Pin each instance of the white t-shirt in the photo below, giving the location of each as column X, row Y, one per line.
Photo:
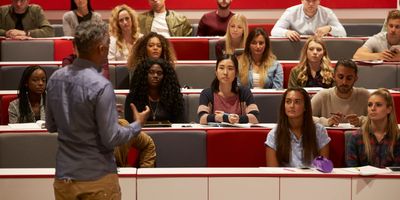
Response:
column 160, row 24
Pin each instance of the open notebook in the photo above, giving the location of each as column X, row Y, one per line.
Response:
column 40, row 124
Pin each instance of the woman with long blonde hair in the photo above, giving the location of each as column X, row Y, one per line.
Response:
column 377, row 143
column 314, row 68
column 124, row 32
column 235, row 37
column 258, row 65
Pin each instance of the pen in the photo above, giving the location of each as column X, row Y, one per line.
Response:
column 290, row 170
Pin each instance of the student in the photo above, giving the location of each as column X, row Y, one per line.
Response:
column 30, row 105
column 258, row 65
column 379, row 46
column 296, row 140
column 377, row 143
column 235, row 37
column 163, row 21
column 21, row 20
column 155, row 84
column 343, row 103
column 314, row 68
column 308, row 18
column 81, row 10
column 214, row 23
column 154, row 46
column 124, row 32
column 225, row 101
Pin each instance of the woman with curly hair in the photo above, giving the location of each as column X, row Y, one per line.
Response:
column 225, row 101
column 154, row 46
column 314, row 69
column 235, row 37
column 258, row 65
column 30, row 105
column 124, row 32
column 156, row 85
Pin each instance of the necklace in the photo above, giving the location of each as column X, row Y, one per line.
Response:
column 154, row 110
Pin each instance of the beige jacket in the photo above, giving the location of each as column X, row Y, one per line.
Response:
column 34, row 21
column 178, row 24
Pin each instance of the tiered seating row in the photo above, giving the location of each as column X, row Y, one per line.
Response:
column 187, row 48
column 370, row 76
column 268, row 102
column 176, row 147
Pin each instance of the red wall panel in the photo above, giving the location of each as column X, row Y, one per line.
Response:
column 211, row 4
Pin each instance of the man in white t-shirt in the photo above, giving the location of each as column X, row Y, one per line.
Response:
column 384, row 45
column 162, row 21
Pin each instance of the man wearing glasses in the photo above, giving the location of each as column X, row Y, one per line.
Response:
column 19, row 20
column 308, row 18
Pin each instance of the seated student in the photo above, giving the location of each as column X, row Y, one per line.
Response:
column 22, row 20
column 235, row 37
column 296, row 140
column 156, row 85
column 163, row 21
column 143, row 143
column 378, row 47
column 225, row 101
column 124, row 32
column 31, row 101
column 377, row 143
column 343, row 103
column 314, row 68
column 153, row 46
column 214, row 23
column 308, row 18
column 81, row 10
column 258, row 65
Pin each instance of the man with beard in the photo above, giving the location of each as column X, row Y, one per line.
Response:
column 384, row 45
column 342, row 103
column 215, row 22
column 164, row 22
column 308, row 18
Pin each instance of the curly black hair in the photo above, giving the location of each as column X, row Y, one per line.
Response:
column 171, row 97
column 23, row 91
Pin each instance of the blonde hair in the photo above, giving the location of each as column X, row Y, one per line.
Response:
column 303, row 66
column 392, row 129
column 228, row 39
column 245, row 60
column 115, row 29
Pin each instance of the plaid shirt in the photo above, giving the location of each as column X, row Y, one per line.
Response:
column 356, row 156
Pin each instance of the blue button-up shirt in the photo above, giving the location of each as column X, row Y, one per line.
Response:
column 81, row 108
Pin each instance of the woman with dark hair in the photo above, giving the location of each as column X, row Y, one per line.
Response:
column 225, row 101
column 81, row 10
column 30, row 105
column 258, row 65
column 314, row 68
column 377, row 143
column 156, row 85
column 296, row 140
column 154, row 46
